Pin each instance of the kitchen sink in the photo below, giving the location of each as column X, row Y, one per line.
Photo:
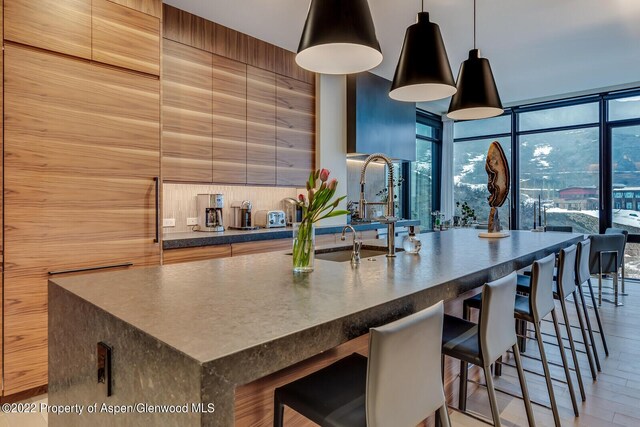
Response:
column 343, row 253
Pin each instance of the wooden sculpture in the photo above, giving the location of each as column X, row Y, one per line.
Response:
column 498, row 171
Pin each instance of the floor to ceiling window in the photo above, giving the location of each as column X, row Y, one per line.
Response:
column 424, row 172
column 624, row 136
column 559, row 167
column 472, row 140
column 579, row 157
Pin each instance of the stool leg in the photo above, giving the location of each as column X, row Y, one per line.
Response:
column 443, row 416
column 497, row 367
column 623, row 292
column 589, row 328
column 462, row 396
column 565, row 363
column 523, row 387
column 596, row 309
column 493, row 400
column 599, row 289
column 572, row 346
column 585, row 339
column 278, row 411
column 547, row 375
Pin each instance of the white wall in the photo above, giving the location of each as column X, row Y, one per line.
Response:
column 331, row 126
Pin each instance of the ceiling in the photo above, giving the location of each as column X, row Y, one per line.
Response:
column 539, row 49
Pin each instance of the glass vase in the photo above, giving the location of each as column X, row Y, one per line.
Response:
column 304, row 245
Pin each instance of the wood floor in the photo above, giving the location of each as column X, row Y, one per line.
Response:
column 612, row 400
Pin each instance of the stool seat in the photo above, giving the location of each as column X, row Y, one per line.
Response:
column 524, row 285
column 333, row 396
column 460, row 340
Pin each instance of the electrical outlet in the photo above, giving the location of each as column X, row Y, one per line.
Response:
column 169, row 222
column 192, row 221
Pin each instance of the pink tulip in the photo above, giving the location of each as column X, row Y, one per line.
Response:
column 324, row 175
column 333, row 184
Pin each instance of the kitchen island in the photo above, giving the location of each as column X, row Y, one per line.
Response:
column 191, row 333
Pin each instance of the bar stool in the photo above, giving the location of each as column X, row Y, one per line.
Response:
column 583, row 276
column 533, row 309
column 612, row 230
column 398, row 385
column 566, row 286
column 482, row 344
column 607, row 253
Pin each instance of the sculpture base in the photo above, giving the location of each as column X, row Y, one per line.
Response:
column 494, row 235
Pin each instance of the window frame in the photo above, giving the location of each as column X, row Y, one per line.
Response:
column 605, row 149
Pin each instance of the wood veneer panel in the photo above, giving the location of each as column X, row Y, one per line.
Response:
column 262, row 246
column 187, row 112
column 174, row 256
column 125, row 37
column 261, row 126
column 261, row 54
column 59, row 25
column 81, row 149
column 286, row 65
column 229, row 121
column 150, row 7
column 295, row 131
column 1, row 191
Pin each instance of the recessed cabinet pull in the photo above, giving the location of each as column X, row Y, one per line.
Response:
column 157, row 181
column 100, row 267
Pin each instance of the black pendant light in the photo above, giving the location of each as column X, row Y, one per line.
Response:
column 477, row 96
column 339, row 38
column 423, row 72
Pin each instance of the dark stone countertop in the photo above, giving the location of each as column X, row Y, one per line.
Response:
column 194, row 238
column 225, row 308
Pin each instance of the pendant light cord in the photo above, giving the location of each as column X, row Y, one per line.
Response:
column 423, row 5
column 474, row 24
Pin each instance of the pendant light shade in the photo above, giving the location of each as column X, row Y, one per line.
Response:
column 477, row 96
column 339, row 38
column 423, row 72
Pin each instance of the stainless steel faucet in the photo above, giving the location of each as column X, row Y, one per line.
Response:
column 390, row 218
column 355, row 254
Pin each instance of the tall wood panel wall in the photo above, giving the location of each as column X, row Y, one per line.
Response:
column 81, row 155
column 260, row 104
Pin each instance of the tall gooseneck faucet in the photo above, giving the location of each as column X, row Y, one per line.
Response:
column 390, row 217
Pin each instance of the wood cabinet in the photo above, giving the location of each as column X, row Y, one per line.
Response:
column 263, row 107
column 261, row 126
column 187, row 113
column 125, row 37
column 59, row 25
column 81, row 154
column 125, row 33
column 229, row 121
column 175, row 256
column 295, row 131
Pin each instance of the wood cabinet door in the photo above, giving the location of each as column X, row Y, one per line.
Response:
column 59, row 25
column 261, row 126
column 295, row 131
column 81, row 154
column 125, row 37
column 187, row 120
column 229, row 121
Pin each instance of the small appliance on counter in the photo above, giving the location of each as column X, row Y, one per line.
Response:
column 270, row 219
column 210, row 212
column 293, row 212
column 242, row 216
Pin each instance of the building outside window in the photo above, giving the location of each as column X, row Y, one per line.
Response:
column 424, row 173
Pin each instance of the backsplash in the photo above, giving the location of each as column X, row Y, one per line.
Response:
column 376, row 180
column 179, row 200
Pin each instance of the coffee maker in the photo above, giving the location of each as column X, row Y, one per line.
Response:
column 210, row 212
column 242, row 216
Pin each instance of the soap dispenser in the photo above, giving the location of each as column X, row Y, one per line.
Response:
column 411, row 244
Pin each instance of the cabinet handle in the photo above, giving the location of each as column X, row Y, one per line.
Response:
column 100, row 267
column 157, row 181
